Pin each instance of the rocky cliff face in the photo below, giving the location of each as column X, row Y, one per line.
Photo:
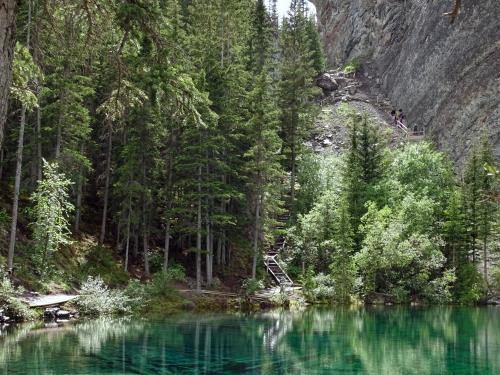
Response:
column 446, row 77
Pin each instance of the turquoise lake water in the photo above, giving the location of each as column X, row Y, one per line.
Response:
column 378, row 341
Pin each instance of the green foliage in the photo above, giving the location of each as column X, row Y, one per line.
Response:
column 251, row 286
column 161, row 284
column 399, row 243
column 423, row 171
column 308, row 283
column 10, row 301
column 280, row 299
column 440, row 290
column 100, row 262
column 24, row 73
column 343, row 272
column 160, row 290
column 469, row 287
column 316, row 45
column 346, row 110
column 4, row 226
column 363, row 169
column 324, row 290
column 317, row 174
column 50, row 211
column 97, row 299
column 296, row 87
column 495, row 276
column 352, row 66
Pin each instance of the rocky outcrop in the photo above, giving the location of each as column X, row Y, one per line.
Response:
column 446, row 77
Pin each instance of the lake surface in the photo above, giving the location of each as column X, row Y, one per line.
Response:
column 378, row 341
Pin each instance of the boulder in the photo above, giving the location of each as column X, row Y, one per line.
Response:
column 3, row 318
column 50, row 313
column 327, row 83
column 352, row 90
column 63, row 314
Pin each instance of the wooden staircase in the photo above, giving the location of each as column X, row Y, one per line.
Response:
column 272, row 266
column 410, row 135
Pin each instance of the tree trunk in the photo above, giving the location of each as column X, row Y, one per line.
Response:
column 256, row 238
column 198, row 235
column 1, row 162
column 135, row 249
column 106, row 184
column 38, row 135
column 485, row 260
column 145, row 222
column 219, row 249
column 59, row 138
column 118, row 245
column 19, row 168
column 292, row 177
column 127, row 243
column 78, row 205
column 166, row 249
column 209, row 256
column 209, row 250
column 17, row 188
column 8, row 10
column 145, row 249
column 224, row 248
column 79, row 193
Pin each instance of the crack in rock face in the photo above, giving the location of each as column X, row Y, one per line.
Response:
column 446, row 77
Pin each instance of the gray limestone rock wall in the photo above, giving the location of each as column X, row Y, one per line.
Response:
column 446, row 77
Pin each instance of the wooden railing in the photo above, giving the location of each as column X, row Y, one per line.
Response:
column 409, row 134
column 272, row 266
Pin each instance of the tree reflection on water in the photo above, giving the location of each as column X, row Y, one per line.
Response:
column 353, row 340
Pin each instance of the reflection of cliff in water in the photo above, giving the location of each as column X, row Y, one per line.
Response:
column 352, row 340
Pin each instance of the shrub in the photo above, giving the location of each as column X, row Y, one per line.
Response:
column 10, row 299
column 161, row 283
column 101, row 262
column 308, row 284
column 250, row 286
column 469, row 287
column 96, row 298
column 439, row 290
column 216, row 283
column 325, row 287
column 280, row 299
column 495, row 276
column 137, row 294
column 352, row 66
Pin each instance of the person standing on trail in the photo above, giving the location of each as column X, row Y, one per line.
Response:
column 399, row 112
column 402, row 117
column 393, row 114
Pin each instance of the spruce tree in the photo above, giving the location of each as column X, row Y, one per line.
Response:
column 296, row 87
column 363, row 169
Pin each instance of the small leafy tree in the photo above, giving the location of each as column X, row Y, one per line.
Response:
column 50, row 213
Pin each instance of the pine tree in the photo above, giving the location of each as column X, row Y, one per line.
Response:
column 296, row 87
column 488, row 206
column 24, row 74
column 363, row 168
column 316, row 46
column 454, row 231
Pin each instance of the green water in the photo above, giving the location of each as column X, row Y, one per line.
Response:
column 379, row 341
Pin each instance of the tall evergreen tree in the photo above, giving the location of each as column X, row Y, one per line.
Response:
column 296, row 87
column 363, row 169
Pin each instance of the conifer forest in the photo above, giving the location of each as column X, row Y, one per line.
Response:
column 169, row 144
column 249, row 187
